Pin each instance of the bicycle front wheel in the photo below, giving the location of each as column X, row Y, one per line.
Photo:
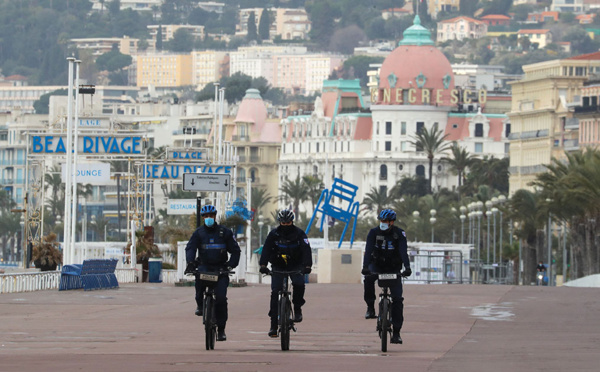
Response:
column 385, row 323
column 209, row 325
column 285, row 313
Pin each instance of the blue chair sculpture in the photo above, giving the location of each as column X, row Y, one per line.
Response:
column 346, row 192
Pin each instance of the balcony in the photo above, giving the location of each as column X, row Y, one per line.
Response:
column 587, row 109
column 255, row 158
column 240, row 138
column 241, row 158
column 571, row 145
column 572, row 123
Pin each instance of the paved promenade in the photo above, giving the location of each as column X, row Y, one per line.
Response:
column 151, row 327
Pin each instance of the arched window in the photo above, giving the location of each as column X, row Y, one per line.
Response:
column 420, row 170
column 253, row 174
column 315, row 170
column 383, row 172
column 241, row 175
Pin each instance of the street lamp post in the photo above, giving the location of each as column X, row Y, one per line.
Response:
column 501, row 200
column 494, row 212
column 549, row 269
column 260, row 226
column 488, row 214
column 432, row 220
column 23, row 244
column 416, row 220
column 462, row 228
column 161, row 222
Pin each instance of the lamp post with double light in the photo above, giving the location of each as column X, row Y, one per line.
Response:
column 462, row 217
column 261, row 223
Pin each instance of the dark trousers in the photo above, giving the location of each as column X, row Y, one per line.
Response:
column 220, row 299
column 297, row 293
column 397, row 299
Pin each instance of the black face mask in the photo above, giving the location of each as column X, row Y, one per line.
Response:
column 286, row 229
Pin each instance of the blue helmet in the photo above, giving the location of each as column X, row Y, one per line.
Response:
column 208, row 209
column 387, row 215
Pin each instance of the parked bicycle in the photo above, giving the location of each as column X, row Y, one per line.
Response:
column 209, row 279
column 285, row 315
column 384, row 320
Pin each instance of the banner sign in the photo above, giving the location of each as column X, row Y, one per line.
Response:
column 181, row 206
column 88, row 145
column 188, row 154
column 94, row 123
column 166, row 171
column 92, row 173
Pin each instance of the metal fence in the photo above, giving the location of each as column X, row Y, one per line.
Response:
column 439, row 267
column 39, row 281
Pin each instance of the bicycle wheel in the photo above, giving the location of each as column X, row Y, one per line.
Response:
column 385, row 323
column 209, row 326
column 284, row 318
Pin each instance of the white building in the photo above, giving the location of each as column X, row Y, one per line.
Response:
column 372, row 148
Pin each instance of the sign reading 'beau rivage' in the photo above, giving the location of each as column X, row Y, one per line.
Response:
column 48, row 144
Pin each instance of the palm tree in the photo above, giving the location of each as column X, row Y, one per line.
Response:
column 527, row 210
column 314, row 187
column 376, row 200
column 53, row 180
column 260, row 198
column 460, row 161
column 296, row 191
column 432, row 143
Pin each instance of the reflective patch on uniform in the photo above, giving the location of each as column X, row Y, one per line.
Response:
column 306, row 241
column 214, row 246
column 404, row 233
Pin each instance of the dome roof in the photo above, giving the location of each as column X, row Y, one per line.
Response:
column 252, row 109
column 416, row 63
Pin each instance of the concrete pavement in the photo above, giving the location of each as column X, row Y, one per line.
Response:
column 151, row 327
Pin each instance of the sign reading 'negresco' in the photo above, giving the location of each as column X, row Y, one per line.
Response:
column 89, row 145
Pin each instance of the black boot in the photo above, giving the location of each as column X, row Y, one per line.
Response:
column 198, row 311
column 297, row 315
column 273, row 330
column 221, row 336
column 396, row 339
column 370, row 314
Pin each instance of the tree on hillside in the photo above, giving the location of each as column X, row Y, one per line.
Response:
column 113, row 61
column 467, row 7
column 41, row 106
column 346, row 39
column 264, row 25
column 159, row 38
column 182, row 41
column 252, row 34
column 322, row 16
column 359, row 65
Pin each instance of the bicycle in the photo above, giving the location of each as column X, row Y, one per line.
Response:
column 210, row 279
column 285, row 314
column 384, row 320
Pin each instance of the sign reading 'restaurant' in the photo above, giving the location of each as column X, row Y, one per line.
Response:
column 88, row 145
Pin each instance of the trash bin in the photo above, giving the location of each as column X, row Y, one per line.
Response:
column 155, row 270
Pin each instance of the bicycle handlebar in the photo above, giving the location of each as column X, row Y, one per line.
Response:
column 285, row 272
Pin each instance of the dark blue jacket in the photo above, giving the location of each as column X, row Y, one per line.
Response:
column 293, row 245
column 211, row 245
column 387, row 250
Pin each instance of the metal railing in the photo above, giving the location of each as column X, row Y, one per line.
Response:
column 439, row 267
column 39, row 281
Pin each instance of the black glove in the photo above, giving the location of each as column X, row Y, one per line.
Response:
column 264, row 270
column 365, row 271
column 190, row 268
column 306, row 270
column 407, row 272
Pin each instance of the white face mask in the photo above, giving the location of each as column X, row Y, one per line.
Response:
column 384, row 226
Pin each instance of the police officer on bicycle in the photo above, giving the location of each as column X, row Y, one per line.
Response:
column 287, row 249
column 212, row 243
column 386, row 252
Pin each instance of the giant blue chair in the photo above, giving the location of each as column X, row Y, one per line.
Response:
column 345, row 212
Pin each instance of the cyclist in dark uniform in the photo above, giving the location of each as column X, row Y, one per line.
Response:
column 212, row 243
column 287, row 249
column 386, row 252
